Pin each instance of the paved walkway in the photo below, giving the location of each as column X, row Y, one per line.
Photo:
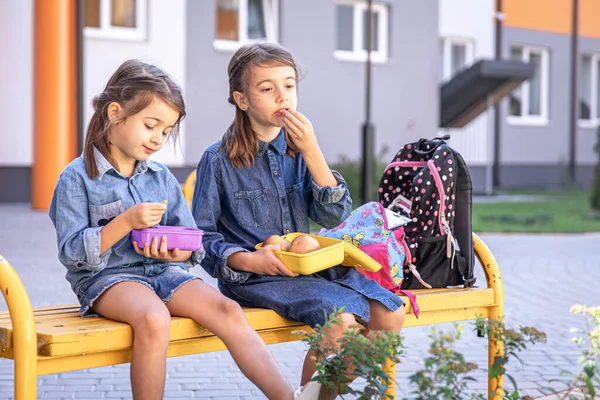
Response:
column 543, row 277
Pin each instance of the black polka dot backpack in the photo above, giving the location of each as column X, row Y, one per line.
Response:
column 428, row 182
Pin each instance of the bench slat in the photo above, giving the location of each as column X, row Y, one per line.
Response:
column 61, row 332
column 448, row 299
column 53, row 365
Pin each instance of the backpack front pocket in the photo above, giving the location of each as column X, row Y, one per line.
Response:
column 434, row 265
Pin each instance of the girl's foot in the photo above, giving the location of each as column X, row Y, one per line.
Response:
column 310, row 391
column 313, row 390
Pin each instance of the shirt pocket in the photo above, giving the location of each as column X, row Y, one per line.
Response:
column 103, row 214
column 251, row 208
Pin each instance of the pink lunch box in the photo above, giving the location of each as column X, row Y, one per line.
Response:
column 179, row 237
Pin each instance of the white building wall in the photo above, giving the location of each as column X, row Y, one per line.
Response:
column 164, row 46
column 16, row 81
column 472, row 20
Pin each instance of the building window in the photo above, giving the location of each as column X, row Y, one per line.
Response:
column 455, row 54
column 115, row 19
column 529, row 102
column 243, row 21
column 589, row 90
column 351, row 25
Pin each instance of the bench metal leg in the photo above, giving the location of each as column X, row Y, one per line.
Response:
column 494, row 280
column 495, row 348
column 390, row 369
column 23, row 332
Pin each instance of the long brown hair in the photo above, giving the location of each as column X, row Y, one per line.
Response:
column 133, row 86
column 240, row 142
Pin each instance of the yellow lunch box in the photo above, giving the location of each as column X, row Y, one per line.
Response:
column 332, row 252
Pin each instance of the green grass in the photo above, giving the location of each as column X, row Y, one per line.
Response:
column 567, row 212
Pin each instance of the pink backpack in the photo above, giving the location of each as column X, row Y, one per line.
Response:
column 367, row 228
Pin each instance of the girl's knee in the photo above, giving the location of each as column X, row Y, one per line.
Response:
column 396, row 320
column 231, row 311
column 153, row 324
column 347, row 320
column 388, row 320
column 343, row 322
column 398, row 317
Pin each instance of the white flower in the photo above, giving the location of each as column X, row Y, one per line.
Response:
column 577, row 309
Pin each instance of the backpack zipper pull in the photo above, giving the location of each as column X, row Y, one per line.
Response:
column 449, row 240
column 413, row 269
column 450, row 245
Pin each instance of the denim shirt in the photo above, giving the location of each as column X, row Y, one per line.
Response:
column 239, row 207
column 81, row 206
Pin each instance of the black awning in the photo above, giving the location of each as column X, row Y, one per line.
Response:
column 471, row 91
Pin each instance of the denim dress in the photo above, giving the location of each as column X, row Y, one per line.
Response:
column 239, row 207
column 81, row 207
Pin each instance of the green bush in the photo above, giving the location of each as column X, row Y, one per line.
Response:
column 360, row 354
column 586, row 383
column 445, row 374
column 351, row 170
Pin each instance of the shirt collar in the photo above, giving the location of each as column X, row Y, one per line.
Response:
column 104, row 166
column 279, row 144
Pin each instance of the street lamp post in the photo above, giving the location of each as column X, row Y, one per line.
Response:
column 499, row 18
column 368, row 129
column 573, row 95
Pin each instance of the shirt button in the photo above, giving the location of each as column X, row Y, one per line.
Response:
column 287, row 231
column 283, row 200
column 275, row 172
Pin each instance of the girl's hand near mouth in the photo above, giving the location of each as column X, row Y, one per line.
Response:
column 300, row 130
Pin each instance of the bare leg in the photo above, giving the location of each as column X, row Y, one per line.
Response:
column 225, row 318
column 384, row 319
column 139, row 306
column 381, row 319
column 308, row 368
column 333, row 334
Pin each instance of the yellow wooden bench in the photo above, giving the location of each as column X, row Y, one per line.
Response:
column 49, row 340
column 188, row 187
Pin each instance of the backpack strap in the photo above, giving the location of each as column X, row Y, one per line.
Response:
column 463, row 219
column 412, row 298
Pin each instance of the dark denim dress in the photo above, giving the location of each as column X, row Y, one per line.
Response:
column 238, row 208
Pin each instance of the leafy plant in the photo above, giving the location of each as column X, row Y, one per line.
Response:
column 587, row 381
column 513, row 342
column 351, row 170
column 446, row 372
column 358, row 354
column 445, row 375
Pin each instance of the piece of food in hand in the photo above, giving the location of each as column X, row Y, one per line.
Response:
column 304, row 244
column 276, row 239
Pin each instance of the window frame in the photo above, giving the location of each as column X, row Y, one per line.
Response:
column 108, row 31
column 447, row 42
column 357, row 53
column 525, row 118
column 271, row 15
column 594, row 121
